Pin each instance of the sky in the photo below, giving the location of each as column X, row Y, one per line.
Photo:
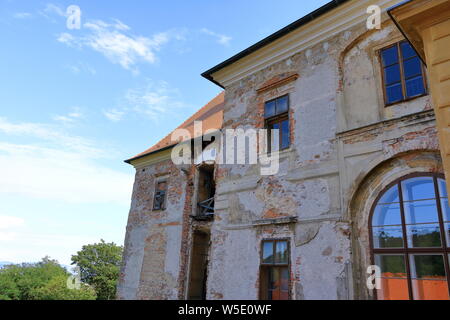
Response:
column 75, row 103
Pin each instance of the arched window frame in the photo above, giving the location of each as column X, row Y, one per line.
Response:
column 406, row 250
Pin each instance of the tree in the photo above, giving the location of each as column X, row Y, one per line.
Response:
column 56, row 289
column 45, row 280
column 99, row 265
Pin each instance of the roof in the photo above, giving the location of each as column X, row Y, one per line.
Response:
column 211, row 116
column 275, row 36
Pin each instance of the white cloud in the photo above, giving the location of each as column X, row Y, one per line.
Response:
column 81, row 67
column 70, row 118
column 7, row 222
column 221, row 38
column 51, row 134
column 67, row 39
column 51, row 8
column 22, row 15
column 117, row 44
column 154, row 99
column 114, row 115
column 66, row 170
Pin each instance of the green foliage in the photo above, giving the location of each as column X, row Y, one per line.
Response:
column 99, row 265
column 56, row 289
column 45, row 280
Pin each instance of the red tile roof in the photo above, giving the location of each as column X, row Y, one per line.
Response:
column 211, row 116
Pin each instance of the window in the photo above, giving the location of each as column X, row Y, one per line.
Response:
column 410, row 233
column 403, row 73
column 159, row 202
column 275, row 279
column 276, row 114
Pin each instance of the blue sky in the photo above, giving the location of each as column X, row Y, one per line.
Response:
column 75, row 103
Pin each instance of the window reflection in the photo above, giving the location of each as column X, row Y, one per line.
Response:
column 429, row 279
column 415, row 227
column 420, row 188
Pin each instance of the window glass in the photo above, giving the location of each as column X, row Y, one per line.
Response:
column 445, row 209
column 442, row 188
column 424, row 211
column 276, row 107
column 392, row 74
column 282, row 104
column 268, row 252
column 275, row 137
column 394, row 93
column 394, row 282
column 285, row 134
column 407, row 50
column 270, row 109
column 388, row 237
column 278, row 283
column 415, row 87
column 419, row 188
column 387, row 215
column 447, row 233
column 403, row 74
column 424, row 236
column 281, row 252
column 429, row 280
column 390, row 56
column 412, row 67
column 412, row 229
column 390, row 196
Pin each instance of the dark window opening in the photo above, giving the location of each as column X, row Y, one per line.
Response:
column 206, row 191
column 276, row 115
column 403, row 73
column 274, row 272
column 199, row 266
column 159, row 201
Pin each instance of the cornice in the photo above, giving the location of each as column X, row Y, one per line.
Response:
column 324, row 27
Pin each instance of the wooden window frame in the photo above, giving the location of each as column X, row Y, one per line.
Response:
column 402, row 74
column 278, row 119
column 266, row 266
column 406, row 251
column 158, row 193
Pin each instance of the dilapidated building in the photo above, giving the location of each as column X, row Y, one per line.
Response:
column 359, row 181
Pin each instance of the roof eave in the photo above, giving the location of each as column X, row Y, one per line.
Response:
column 275, row 36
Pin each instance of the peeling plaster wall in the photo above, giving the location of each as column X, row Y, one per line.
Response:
column 151, row 261
column 341, row 129
column 342, row 137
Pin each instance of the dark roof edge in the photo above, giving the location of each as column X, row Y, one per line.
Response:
column 165, row 148
column 275, row 36
column 148, row 154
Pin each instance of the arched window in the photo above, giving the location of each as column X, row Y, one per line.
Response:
column 410, row 239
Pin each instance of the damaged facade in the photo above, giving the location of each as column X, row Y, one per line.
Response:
column 351, row 129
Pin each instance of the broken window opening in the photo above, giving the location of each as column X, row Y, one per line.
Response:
column 206, row 192
column 199, row 266
column 159, row 201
